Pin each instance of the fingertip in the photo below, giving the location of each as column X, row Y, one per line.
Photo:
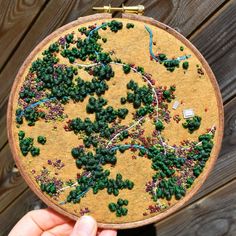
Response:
column 85, row 226
column 108, row 232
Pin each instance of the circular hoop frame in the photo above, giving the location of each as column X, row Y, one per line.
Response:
column 202, row 177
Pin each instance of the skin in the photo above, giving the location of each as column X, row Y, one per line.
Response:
column 46, row 222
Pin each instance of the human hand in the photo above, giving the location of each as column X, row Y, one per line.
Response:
column 46, row 222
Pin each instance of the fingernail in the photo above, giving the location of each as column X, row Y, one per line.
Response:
column 85, row 226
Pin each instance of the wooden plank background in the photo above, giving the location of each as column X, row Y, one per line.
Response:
column 209, row 24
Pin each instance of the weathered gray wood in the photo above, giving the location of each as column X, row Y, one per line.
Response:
column 3, row 125
column 185, row 16
column 11, row 183
column 217, row 42
column 15, row 20
column 213, row 215
column 26, row 202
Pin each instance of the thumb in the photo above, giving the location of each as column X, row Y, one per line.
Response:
column 85, row 226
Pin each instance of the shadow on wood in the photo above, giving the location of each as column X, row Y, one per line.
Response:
column 149, row 230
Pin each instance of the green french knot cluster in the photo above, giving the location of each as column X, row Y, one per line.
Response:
column 89, row 47
column 168, row 188
column 82, row 89
column 109, row 114
column 185, row 65
column 166, row 163
column 97, row 179
column 64, row 88
column 49, row 188
column 118, row 207
column 192, row 124
column 201, row 153
column 88, row 127
column 90, row 141
column 141, row 95
column 103, row 72
column 123, row 148
column 123, row 135
column 26, row 145
column 27, row 94
column 168, row 94
column 169, row 64
column 129, row 25
column 123, row 100
column 172, row 64
column 159, row 125
column 30, row 115
column 115, row 26
column 103, row 116
column 84, row 49
column 126, row 68
column 42, row 139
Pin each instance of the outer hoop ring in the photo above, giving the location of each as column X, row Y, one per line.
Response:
column 202, row 177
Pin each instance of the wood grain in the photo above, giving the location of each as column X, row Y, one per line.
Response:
column 11, row 184
column 3, row 124
column 15, row 20
column 217, row 42
column 184, row 16
column 26, row 202
column 213, row 215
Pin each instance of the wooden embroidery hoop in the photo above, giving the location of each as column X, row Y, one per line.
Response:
column 202, row 177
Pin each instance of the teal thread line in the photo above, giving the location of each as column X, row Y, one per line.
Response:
column 151, row 49
column 36, row 104
column 96, row 29
column 151, row 43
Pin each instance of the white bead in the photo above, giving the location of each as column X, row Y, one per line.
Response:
column 188, row 113
column 175, row 105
